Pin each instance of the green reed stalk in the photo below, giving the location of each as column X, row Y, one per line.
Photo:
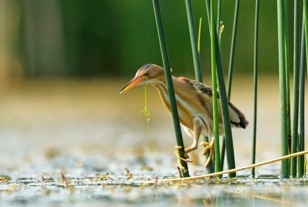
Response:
column 296, row 38
column 223, row 153
column 224, row 102
column 218, row 14
column 219, row 29
column 255, row 85
column 287, row 75
column 214, row 86
column 225, row 114
column 195, row 53
column 175, row 116
column 199, row 35
column 301, row 138
column 305, row 13
column 231, row 58
column 232, row 49
column 282, row 86
column 193, row 40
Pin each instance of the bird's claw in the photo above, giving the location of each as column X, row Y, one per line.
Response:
column 185, row 159
column 208, row 147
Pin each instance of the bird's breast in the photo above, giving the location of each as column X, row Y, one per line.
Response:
column 188, row 105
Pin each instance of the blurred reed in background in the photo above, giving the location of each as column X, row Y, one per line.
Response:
column 75, row 38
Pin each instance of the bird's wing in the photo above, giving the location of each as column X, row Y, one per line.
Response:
column 201, row 88
column 237, row 118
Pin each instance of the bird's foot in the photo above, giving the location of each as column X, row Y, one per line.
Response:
column 185, row 159
column 208, row 147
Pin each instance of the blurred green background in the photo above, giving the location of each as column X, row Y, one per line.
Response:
column 96, row 38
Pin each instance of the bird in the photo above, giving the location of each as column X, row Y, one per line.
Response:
column 194, row 104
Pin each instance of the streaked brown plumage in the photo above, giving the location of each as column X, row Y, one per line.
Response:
column 194, row 103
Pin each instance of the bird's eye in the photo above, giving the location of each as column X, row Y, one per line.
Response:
column 146, row 73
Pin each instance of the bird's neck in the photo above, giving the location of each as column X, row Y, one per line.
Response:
column 162, row 89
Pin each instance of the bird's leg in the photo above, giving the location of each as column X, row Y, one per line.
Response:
column 208, row 147
column 197, row 128
column 177, row 148
column 185, row 159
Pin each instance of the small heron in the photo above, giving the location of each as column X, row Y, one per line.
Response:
column 194, row 104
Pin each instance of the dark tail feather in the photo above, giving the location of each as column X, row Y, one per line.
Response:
column 243, row 122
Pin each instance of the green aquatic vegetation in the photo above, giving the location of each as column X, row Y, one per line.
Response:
column 175, row 116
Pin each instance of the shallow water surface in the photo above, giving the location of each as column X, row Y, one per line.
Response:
column 80, row 143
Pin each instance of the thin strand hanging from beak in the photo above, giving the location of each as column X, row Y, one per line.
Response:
column 147, row 116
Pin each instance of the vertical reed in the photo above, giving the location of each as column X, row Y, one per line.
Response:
column 302, row 95
column 223, row 98
column 214, row 87
column 282, row 86
column 231, row 61
column 305, row 20
column 301, row 137
column 287, row 75
column 218, row 14
column 195, row 53
column 174, row 110
column 255, row 85
column 219, row 29
column 193, row 40
column 232, row 49
column 296, row 59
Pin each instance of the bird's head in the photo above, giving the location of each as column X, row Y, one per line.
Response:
column 147, row 74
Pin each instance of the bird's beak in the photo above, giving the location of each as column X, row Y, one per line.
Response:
column 131, row 84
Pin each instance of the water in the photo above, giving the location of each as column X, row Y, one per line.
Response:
column 79, row 143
